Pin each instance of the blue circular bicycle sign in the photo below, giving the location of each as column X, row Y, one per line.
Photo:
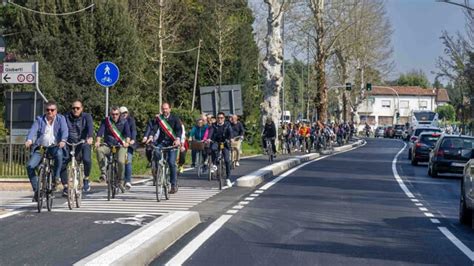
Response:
column 107, row 74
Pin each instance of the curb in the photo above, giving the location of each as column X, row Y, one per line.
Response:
column 143, row 245
column 255, row 178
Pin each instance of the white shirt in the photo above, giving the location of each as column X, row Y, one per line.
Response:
column 48, row 139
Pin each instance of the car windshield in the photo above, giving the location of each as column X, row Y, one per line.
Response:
column 418, row 131
column 424, row 116
column 429, row 140
column 458, row 143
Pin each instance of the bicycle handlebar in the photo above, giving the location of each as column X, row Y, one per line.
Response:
column 76, row 144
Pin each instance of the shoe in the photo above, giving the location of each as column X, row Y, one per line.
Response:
column 121, row 187
column 228, row 183
column 102, row 178
column 213, row 169
column 65, row 192
column 181, row 169
column 86, row 187
column 237, row 164
column 128, row 185
column 35, row 197
column 173, row 190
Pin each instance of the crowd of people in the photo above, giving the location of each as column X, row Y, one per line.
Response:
column 54, row 131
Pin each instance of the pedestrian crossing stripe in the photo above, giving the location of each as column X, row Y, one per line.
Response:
column 17, row 204
column 141, row 200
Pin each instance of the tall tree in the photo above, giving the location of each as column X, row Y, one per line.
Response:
column 414, row 78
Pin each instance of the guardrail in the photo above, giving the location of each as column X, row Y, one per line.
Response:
column 13, row 158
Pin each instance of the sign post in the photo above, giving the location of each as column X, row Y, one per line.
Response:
column 106, row 74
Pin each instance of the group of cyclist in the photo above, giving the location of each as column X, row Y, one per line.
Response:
column 53, row 131
column 303, row 137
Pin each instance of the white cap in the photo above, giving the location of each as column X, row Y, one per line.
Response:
column 123, row 109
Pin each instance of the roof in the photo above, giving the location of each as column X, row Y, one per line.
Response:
column 442, row 96
column 403, row 90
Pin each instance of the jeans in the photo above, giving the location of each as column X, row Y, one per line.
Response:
column 83, row 152
column 171, row 162
column 103, row 152
column 226, row 153
column 128, row 166
column 35, row 160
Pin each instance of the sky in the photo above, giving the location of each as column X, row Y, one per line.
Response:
column 417, row 26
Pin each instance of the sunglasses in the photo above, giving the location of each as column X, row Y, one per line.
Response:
column 76, row 108
column 50, row 110
column 115, row 114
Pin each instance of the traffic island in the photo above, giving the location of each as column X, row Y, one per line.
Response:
column 255, row 178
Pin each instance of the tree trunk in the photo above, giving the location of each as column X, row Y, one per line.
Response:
column 321, row 99
column 272, row 64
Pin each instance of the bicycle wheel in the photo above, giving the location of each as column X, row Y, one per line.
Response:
column 220, row 174
column 40, row 188
column 71, row 191
column 159, row 183
column 114, row 181
column 166, row 182
column 199, row 163
column 109, row 182
column 49, row 193
column 78, row 189
column 209, row 166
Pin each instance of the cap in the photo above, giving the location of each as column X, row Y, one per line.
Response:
column 123, row 109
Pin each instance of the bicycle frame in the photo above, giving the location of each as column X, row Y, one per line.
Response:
column 45, row 179
column 161, row 173
column 74, row 178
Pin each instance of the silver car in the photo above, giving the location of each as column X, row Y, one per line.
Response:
column 466, row 203
column 379, row 132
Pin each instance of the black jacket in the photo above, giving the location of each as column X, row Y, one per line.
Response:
column 163, row 138
column 237, row 129
column 269, row 131
column 221, row 133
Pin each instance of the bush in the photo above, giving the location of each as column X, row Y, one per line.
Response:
column 446, row 112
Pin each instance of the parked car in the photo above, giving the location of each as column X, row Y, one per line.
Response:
column 399, row 129
column 416, row 133
column 466, row 202
column 422, row 147
column 450, row 154
column 380, row 131
column 389, row 132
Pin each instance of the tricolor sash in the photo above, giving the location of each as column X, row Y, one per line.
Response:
column 165, row 126
column 114, row 130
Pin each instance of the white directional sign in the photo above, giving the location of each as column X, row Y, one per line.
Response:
column 19, row 73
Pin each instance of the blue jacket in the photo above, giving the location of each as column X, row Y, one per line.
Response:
column 84, row 124
column 60, row 129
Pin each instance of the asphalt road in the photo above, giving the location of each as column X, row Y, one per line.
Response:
column 347, row 209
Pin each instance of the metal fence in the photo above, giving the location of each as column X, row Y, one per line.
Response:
column 13, row 158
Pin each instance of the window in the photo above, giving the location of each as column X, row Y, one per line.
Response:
column 404, row 104
column 423, row 104
column 386, row 104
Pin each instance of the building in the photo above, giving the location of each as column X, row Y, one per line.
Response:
column 383, row 103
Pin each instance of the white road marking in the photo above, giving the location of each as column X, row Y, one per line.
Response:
column 259, row 191
column 419, row 204
column 192, row 246
column 10, row 213
column 423, row 209
column 428, row 214
column 254, row 195
column 243, row 203
column 414, row 200
column 238, row 207
column 467, row 251
column 232, row 211
column 397, row 177
column 249, row 198
column 435, row 221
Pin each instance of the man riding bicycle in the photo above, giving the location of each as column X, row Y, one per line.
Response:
column 81, row 127
column 221, row 133
column 48, row 130
column 237, row 135
column 116, row 132
column 166, row 131
column 269, row 132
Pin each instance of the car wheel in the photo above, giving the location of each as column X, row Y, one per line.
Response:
column 414, row 161
column 465, row 214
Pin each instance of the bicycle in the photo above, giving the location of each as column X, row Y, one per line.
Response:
column 45, row 179
column 74, row 179
column 161, row 172
column 218, row 175
column 199, row 147
column 112, row 171
column 269, row 149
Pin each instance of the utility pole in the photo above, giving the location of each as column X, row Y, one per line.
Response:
column 196, row 75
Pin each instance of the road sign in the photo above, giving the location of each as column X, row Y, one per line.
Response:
column 19, row 73
column 106, row 74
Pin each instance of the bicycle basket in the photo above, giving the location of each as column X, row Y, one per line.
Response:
column 235, row 144
column 197, row 145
